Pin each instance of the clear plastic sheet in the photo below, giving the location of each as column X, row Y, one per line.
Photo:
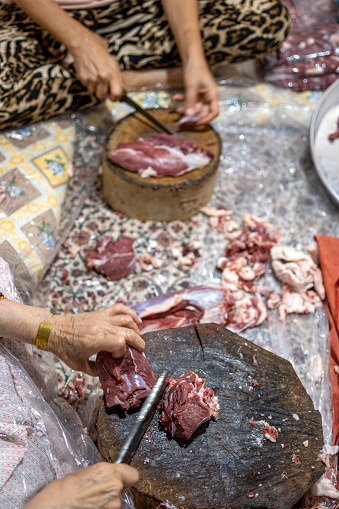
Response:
column 55, row 442
column 265, row 169
column 309, row 57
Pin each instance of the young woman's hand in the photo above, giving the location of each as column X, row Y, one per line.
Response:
column 97, row 69
column 98, row 486
column 201, row 92
column 76, row 337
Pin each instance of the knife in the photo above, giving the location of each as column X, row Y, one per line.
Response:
column 144, row 416
column 146, row 114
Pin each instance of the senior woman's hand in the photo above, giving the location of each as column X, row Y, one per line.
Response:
column 98, row 486
column 76, row 337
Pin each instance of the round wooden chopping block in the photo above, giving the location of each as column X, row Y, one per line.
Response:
column 227, row 464
column 165, row 198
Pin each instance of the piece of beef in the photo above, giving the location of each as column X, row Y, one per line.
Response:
column 200, row 304
column 160, row 155
column 114, row 259
column 126, row 381
column 187, row 404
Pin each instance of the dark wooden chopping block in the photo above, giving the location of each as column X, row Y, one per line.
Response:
column 225, row 460
column 165, row 198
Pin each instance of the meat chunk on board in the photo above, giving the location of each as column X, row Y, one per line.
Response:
column 187, row 404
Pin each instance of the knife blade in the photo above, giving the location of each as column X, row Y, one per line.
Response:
column 144, row 416
column 146, row 114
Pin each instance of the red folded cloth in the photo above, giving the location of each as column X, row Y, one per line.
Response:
column 329, row 261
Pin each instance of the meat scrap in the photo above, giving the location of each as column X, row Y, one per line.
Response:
column 149, row 262
column 186, row 405
column 126, row 381
column 270, row 432
column 160, row 155
column 216, row 212
column 295, row 302
column 297, row 269
column 334, row 135
column 186, row 254
column 248, row 311
column 114, row 259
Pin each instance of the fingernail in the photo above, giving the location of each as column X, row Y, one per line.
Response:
column 190, row 111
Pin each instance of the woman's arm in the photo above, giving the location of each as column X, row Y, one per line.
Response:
column 74, row 337
column 95, row 67
column 201, row 92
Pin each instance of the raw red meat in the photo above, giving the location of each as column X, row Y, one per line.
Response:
column 126, row 381
column 160, row 155
column 187, row 404
column 201, row 304
column 114, row 259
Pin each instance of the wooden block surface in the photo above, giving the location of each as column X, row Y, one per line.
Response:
column 165, row 198
column 227, row 459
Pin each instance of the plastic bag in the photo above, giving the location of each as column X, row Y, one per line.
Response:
column 309, row 57
column 46, row 437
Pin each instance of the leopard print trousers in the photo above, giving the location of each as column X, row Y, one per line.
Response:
column 36, row 83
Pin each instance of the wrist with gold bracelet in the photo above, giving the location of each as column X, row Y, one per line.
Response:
column 45, row 327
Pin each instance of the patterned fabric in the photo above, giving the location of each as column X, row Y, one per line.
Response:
column 36, row 83
column 35, row 163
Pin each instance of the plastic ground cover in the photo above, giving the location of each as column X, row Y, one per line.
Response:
column 265, row 169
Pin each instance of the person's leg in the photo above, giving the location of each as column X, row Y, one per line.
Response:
column 34, row 84
column 239, row 30
column 232, row 31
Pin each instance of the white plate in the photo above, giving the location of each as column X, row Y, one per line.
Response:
column 325, row 153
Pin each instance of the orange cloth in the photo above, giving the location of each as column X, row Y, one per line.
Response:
column 329, row 261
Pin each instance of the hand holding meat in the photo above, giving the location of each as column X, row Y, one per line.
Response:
column 75, row 338
column 201, row 93
column 100, row 485
column 97, row 69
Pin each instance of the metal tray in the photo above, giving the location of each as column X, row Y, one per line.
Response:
column 325, row 154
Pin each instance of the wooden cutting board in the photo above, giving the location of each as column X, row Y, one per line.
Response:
column 225, row 460
column 165, row 198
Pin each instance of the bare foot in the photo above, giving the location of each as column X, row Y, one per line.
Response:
column 152, row 78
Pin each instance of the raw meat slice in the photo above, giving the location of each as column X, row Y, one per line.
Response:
column 161, row 155
column 187, row 404
column 126, row 381
column 248, row 311
column 200, row 304
column 114, row 259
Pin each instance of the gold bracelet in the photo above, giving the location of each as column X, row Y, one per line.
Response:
column 43, row 335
